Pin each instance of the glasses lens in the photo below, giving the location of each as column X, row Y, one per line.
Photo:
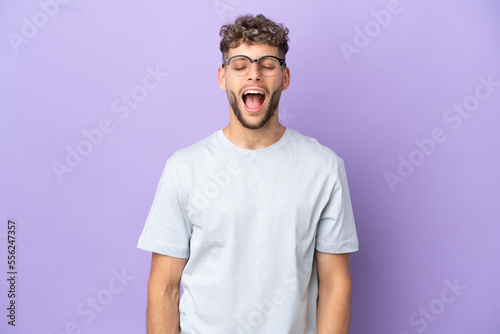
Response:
column 239, row 65
column 269, row 66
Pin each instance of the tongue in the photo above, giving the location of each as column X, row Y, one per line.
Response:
column 253, row 101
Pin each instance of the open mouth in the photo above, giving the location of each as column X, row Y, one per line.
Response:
column 253, row 100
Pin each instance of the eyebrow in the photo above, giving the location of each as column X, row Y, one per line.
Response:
column 253, row 58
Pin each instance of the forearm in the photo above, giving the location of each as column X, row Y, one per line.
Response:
column 334, row 308
column 163, row 311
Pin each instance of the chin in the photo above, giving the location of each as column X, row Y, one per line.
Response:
column 249, row 120
column 255, row 122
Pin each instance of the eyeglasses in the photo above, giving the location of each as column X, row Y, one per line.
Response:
column 240, row 65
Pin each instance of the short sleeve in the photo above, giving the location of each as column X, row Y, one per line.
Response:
column 167, row 229
column 336, row 228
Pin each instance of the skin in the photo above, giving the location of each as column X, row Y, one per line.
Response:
column 162, row 314
column 252, row 131
column 334, row 293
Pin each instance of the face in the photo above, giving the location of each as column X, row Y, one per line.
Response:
column 254, row 111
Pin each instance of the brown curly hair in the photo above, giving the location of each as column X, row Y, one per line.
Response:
column 249, row 30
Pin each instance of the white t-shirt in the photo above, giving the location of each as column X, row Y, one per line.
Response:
column 250, row 221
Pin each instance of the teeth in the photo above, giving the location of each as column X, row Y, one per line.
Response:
column 253, row 92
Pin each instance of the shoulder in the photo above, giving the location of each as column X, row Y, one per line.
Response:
column 311, row 148
column 191, row 155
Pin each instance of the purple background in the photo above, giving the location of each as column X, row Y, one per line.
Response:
column 439, row 226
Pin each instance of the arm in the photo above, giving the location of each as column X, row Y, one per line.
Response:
column 163, row 294
column 334, row 293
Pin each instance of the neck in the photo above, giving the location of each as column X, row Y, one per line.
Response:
column 254, row 139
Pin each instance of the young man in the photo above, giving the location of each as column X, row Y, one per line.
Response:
column 255, row 221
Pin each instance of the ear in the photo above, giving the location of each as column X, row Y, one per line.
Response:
column 286, row 78
column 221, row 74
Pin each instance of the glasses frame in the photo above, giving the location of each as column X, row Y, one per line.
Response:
column 227, row 60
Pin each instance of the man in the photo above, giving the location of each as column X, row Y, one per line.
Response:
column 255, row 220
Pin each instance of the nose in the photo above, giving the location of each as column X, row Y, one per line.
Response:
column 254, row 73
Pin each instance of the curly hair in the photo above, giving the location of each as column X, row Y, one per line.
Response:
column 249, row 30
